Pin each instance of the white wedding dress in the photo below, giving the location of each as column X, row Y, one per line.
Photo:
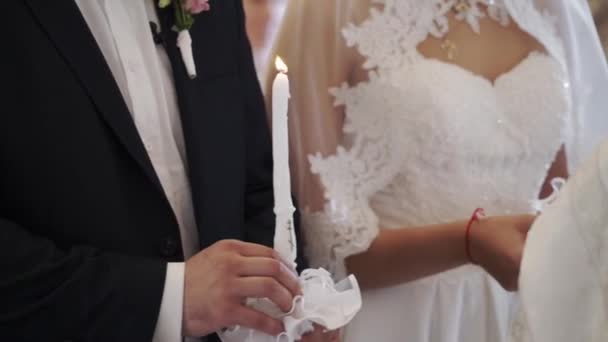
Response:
column 445, row 141
column 442, row 141
column 422, row 142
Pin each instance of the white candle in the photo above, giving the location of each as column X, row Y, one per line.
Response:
column 284, row 239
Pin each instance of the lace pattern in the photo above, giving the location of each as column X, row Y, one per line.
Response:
column 577, row 224
column 591, row 222
column 519, row 329
column 398, row 142
column 348, row 224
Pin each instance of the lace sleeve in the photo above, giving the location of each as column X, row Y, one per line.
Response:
column 333, row 166
column 348, row 225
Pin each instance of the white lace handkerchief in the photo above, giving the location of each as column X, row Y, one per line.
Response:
column 325, row 303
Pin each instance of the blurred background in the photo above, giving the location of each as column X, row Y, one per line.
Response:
column 264, row 16
column 263, row 20
column 600, row 11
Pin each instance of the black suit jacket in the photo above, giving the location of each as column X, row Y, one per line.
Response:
column 85, row 228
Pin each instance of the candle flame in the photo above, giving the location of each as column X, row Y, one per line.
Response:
column 280, row 65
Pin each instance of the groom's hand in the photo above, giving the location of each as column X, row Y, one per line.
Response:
column 219, row 278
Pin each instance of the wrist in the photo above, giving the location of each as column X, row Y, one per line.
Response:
column 195, row 323
column 187, row 330
column 473, row 225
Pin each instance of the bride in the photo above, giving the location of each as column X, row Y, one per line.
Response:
column 406, row 116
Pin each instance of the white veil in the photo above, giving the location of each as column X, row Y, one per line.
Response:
column 588, row 75
column 316, row 48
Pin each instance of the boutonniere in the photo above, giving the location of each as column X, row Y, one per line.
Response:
column 185, row 10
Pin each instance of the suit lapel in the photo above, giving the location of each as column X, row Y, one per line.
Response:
column 68, row 30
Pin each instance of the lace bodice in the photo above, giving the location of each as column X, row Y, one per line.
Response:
column 428, row 141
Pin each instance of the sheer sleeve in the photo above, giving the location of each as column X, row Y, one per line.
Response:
column 327, row 171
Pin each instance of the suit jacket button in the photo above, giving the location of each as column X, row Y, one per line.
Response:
column 168, row 247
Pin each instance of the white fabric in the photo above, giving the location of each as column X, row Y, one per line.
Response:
column 564, row 275
column 420, row 141
column 323, row 302
column 143, row 74
column 494, row 165
column 169, row 324
column 588, row 77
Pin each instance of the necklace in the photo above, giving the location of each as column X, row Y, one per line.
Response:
column 450, row 48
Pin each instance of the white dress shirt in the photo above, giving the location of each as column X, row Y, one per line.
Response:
column 143, row 74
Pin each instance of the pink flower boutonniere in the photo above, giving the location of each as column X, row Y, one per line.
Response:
column 184, row 19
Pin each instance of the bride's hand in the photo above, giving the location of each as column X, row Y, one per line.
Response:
column 497, row 245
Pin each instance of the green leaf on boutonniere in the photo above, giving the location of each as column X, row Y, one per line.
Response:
column 183, row 19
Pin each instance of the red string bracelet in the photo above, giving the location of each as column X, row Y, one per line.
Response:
column 477, row 214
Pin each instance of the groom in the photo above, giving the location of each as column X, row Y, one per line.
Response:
column 115, row 167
